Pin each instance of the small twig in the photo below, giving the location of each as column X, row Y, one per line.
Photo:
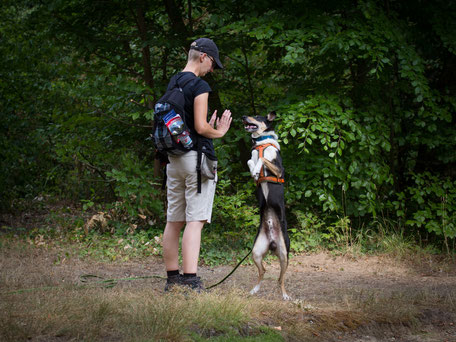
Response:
column 138, row 104
column 98, row 111
column 100, row 172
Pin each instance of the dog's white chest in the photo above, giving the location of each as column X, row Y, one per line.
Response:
column 256, row 163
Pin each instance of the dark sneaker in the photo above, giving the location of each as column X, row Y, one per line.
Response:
column 194, row 283
column 173, row 280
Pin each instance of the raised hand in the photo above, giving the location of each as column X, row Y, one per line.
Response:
column 224, row 122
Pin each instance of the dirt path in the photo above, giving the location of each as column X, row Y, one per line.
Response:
column 375, row 285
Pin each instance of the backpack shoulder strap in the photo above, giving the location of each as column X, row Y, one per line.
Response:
column 199, row 156
column 181, row 84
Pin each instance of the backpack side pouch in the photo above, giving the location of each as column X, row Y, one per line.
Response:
column 208, row 167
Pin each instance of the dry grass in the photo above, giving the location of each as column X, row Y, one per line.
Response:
column 113, row 314
column 100, row 314
column 66, row 312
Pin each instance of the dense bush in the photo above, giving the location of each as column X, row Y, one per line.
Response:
column 364, row 92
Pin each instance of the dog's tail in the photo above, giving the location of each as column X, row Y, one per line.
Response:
column 272, row 246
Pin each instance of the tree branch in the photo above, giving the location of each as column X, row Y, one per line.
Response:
column 129, row 71
column 99, row 171
column 249, row 79
column 142, row 30
column 87, row 37
column 122, row 121
column 177, row 22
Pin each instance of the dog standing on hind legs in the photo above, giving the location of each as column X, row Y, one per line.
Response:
column 267, row 170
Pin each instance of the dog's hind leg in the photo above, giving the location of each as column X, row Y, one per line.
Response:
column 260, row 249
column 282, row 253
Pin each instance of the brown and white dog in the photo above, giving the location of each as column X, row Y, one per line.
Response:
column 266, row 169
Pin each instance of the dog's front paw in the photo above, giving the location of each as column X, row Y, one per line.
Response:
column 251, row 165
column 256, row 176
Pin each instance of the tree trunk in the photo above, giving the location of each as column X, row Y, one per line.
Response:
column 177, row 21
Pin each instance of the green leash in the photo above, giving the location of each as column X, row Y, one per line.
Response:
column 110, row 283
column 106, row 283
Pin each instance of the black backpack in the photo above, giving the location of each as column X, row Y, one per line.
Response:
column 171, row 134
column 167, row 107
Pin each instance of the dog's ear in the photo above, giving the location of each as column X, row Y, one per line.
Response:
column 271, row 116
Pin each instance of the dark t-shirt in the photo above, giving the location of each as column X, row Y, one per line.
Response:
column 191, row 90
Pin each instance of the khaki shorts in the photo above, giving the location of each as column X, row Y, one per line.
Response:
column 184, row 202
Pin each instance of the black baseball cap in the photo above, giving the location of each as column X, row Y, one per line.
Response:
column 206, row 45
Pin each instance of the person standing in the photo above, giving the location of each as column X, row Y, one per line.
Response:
column 186, row 206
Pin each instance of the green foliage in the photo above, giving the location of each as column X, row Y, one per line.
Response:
column 432, row 204
column 234, row 225
column 140, row 194
column 336, row 157
column 306, row 236
column 364, row 93
column 26, row 99
column 117, row 247
column 235, row 208
column 310, row 233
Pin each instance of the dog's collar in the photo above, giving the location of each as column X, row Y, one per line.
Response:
column 263, row 137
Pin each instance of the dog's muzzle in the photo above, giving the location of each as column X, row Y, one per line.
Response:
column 248, row 126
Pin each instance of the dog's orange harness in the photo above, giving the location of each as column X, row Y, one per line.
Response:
column 263, row 178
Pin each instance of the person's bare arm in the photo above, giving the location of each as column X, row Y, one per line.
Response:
column 208, row 129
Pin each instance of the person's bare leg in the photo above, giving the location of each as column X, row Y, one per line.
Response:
column 171, row 245
column 191, row 242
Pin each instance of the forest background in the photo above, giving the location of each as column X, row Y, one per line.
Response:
column 364, row 92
